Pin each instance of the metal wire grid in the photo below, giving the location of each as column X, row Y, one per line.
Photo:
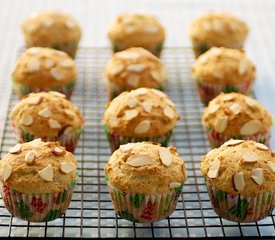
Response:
column 90, row 213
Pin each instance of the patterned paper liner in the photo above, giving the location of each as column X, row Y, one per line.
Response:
column 115, row 140
column 69, row 141
column 200, row 47
column 22, row 90
column 114, row 90
column 217, row 139
column 37, row 207
column 143, row 208
column 156, row 49
column 239, row 208
column 208, row 91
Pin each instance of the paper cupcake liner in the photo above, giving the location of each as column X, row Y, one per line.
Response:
column 208, row 91
column 239, row 208
column 217, row 139
column 114, row 90
column 115, row 140
column 69, row 141
column 37, row 207
column 22, row 90
column 143, row 208
column 155, row 49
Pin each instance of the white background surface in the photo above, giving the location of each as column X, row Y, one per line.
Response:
column 96, row 15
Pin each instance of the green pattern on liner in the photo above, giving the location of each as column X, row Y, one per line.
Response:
column 115, row 47
column 203, row 48
column 137, row 199
column 24, row 210
column 116, row 196
column 62, row 197
column 165, row 204
column 53, row 214
column 126, row 215
column 229, row 89
column 178, row 191
column 221, row 196
column 26, row 136
column 69, row 87
column 160, row 87
column 106, row 177
column 159, row 47
column 73, row 182
column 240, row 209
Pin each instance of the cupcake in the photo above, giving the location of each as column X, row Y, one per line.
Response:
column 37, row 180
column 223, row 70
column 48, row 116
column 53, row 29
column 217, row 29
column 137, row 30
column 145, row 181
column 236, row 116
column 44, row 69
column 144, row 114
column 134, row 68
column 240, row 180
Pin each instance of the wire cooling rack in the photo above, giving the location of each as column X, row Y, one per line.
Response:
column 90, row 214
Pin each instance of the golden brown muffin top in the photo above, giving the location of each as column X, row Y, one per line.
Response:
column 137, row 30
column 143, row 112
column 51, row 27
column 240, row 167
column 145, row 168
column 223, row 66
column 44, row 68
column 219, row 29
column 38, row 167
column 46, row 114
column 134, row 68
column 234, row 115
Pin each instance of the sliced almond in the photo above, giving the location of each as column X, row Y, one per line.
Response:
column 227, row 97
column 130, row 29
column 250, row 157
column 130, row 114
column 215, row 51
column 136, row 67
column 165, row 156
column 69, row 112
column 217, row 73
column 203, row 59
column 116, row 69
column 143, row 127
column 174, row 185
column 169, row 112
column 67, row 63
column 30, row 157
column 34, row 100
column 36, row 143
column 147, row 106
column 235, row 108
column 214, row 169
column 257, row 175
column 141, row 91
column 6, row 172
column 70, row 24
column 239, row 182
column 45, row 112
column 26, row 119
column 54, row 124
column 251, row 127
column 233, row 142
column 57, row 74
column 126, row 147
column 67, row 167
column 68, row 130
column 170, row 102
column 151, row 28
column 113, row 121
column 271, row 166
column 57, row 94
column 131, row 101
column 47, row 23
column 33, row 65
column 139, row 160
column 15, row 149
column 49, row 63
column 156, row 75
column 159, row 93
column 133, row 80
column 251, row 102
column 221, row 124
column 46, row 173
column 218, row 25
column 206, row 26
column 261, row 146
column 33, row 51
column 243, row 66
column 127, row 55
column 213, row 108
column 58, row 151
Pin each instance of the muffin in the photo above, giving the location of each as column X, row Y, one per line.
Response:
column 223, row 70
column 240, row 179
column 48, row 116
column 144, row 114
column 53, row 29
column 44, row 69
column 145, row 181
column 236, row 116
column 37, row 180
column 137, row 30
column 134, row 68
column 217, row 29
